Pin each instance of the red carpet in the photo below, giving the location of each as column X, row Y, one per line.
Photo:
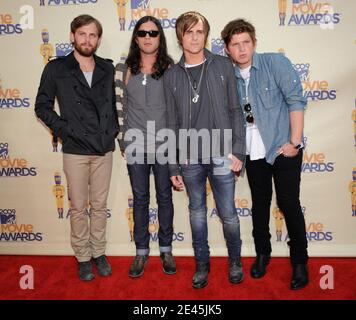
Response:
column 55, row 278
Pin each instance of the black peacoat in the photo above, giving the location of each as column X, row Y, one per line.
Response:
column 87, row 123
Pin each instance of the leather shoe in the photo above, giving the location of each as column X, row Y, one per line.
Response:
column 103, row 266
column 258, row 269
column 168, row 263
column 235, row 271
column 300, row 276
column 85, row 271
column 200, row 278
column 138, row 266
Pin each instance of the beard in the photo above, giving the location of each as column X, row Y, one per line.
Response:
column 87, row 51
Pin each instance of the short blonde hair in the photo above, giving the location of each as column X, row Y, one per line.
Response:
column 188, row 20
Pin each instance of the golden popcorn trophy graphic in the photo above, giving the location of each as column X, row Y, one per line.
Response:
column 129, row 216
column 282, row 7
column 121, row 12
column 46, row 49
column 279, row 221
column 59, row 191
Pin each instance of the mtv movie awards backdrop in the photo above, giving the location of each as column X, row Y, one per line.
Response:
column 319, row 38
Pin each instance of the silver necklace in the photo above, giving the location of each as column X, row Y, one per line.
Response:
column 196, row 88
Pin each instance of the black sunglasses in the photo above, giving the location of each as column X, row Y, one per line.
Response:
column 249, row 117
column 151, row 33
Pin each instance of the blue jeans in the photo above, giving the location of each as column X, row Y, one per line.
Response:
column 140, row 183
column 222, row 181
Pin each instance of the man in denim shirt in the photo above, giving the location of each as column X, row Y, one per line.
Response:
column 272, row 99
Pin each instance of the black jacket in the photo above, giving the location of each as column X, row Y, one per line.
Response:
column 222, row 90
column 88, row 122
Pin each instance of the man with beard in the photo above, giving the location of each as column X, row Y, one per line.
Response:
column 83, row 84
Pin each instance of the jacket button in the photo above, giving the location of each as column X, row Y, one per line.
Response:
column 79, row 102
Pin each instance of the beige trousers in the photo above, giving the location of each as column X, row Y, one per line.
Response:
column 88, row 180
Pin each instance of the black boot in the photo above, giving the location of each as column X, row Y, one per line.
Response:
column 236, row 274
column 103, row 266
column 138, row 266
column 200, row 278
column 168, row 263
column 258, row 269
column 85, row 271
column 300, row 276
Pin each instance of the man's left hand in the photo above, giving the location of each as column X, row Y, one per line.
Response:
column 236, row 164
column 288, row 150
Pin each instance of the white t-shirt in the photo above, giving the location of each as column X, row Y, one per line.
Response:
column 88, row 76
column 254, row 144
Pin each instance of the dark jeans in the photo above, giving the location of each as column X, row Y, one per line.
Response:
column 286, row 175
column 140, row 183
column 222, row 181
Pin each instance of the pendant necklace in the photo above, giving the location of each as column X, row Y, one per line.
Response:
column 194, row 86
column 144, row 81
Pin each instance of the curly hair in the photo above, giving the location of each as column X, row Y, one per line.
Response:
column 163, row 60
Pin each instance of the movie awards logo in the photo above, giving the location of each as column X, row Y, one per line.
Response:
column 11, row 98
column 316, row 231
column 139, row 9
column 63, row 49
column 13, row 167
column 87, row 212
column 4, row 150
column 11, row 231
column 352, row 189
column 242, row 208
column 9, row 26
column 314, row 90
column 316, row 162
column 217, row 46
column 66, row 2
column 307, row 13
column 153, row 225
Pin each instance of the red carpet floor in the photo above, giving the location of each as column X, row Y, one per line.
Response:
column 55, row 278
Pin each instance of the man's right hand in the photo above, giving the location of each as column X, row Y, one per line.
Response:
column 177, row 182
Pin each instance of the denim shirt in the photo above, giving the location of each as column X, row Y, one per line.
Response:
column 273, row 92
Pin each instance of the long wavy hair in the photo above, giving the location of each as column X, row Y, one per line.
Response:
column 163, row 60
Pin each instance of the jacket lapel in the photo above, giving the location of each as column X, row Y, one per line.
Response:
column 73, row 65
column 99, row 71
